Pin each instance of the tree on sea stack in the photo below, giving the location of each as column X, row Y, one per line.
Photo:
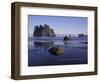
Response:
column 43, row 30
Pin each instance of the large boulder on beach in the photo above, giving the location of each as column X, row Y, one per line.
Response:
column 56, row 51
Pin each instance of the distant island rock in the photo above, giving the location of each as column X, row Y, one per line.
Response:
column 82, row 35
column 43, row 30
column 66, row 38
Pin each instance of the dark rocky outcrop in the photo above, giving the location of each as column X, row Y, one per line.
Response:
column 84, row 42
column 82, row 35
column 43, row 30
column 56, row 51
column 66, row 38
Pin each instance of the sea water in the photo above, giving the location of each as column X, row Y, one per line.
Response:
column 75, row 51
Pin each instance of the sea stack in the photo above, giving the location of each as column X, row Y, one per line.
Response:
column 43, row 30
column 66, row 38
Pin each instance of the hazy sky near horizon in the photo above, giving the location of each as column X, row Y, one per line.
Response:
column 60, row 24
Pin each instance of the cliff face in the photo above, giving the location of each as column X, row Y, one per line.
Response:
column 43, row 31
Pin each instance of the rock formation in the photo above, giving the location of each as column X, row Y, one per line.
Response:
column 43, row 30
column 56, row 51
column 82, row 35
column 66, row 38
